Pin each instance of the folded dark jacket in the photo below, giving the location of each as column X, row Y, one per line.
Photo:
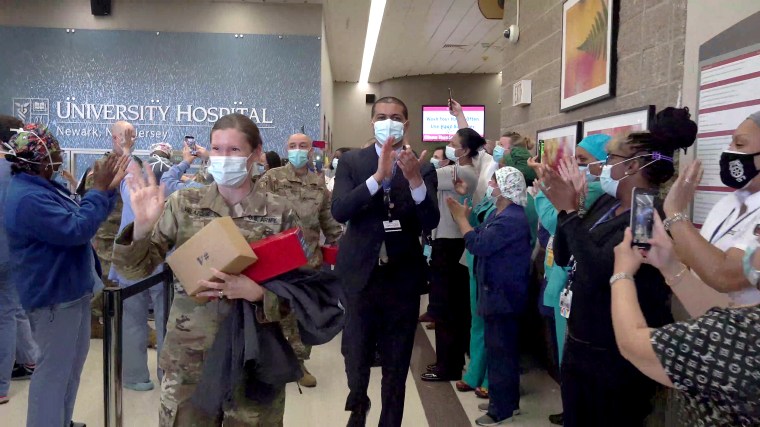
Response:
column 257, row 356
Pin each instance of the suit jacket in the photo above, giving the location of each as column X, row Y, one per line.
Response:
column 364, row 215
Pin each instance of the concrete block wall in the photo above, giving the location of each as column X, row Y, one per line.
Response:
column 650, row 61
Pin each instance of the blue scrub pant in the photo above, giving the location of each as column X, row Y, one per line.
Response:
column 135, row 333
column 503, row 365
column 16, row 342
column 63, row 334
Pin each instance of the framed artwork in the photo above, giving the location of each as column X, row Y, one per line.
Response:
column 614, row 124
column 557, row 142
column 589, row 36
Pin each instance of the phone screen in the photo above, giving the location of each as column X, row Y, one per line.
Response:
column 540, row 153
column 642, row 216
column 190, row 140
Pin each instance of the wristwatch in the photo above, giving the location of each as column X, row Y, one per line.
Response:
column 680, row 216
column 621, row 276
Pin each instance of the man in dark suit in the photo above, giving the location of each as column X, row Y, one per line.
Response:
column 387, row 197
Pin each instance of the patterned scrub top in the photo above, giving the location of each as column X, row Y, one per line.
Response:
column 714, row 360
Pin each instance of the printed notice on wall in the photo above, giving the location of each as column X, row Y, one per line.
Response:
column 729, row 91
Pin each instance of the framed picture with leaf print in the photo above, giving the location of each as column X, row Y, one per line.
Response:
column 589, row 36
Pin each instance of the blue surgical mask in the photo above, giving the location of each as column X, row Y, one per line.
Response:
column 498, row 153
column 335, row 164
column 451, row 153
column 298, row 157
column 228, row 171
column 436, row 162
column 387, row 128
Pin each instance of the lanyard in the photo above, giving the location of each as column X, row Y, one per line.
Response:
column 739, row 221
column 606, row 216
column 387, row 192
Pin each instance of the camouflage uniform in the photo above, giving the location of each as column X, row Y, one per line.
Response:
column 103, row 242
column 192, row 325
column 311, row 201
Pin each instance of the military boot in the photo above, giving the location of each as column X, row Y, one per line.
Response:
column 308, row 379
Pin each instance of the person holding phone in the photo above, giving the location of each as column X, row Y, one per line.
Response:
column 618, row 394
column 712, row 360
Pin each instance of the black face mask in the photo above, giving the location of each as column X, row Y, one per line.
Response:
column 737, row 169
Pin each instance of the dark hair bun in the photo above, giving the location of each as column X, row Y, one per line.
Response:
column 673, row 129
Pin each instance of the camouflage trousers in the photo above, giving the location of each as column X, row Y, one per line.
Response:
column 190, row 333
column 289, row 325
column 178, row 411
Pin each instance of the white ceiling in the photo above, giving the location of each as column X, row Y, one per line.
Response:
column 412, row 38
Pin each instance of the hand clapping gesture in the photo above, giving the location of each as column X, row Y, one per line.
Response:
column 410, row 165
column 108, row 175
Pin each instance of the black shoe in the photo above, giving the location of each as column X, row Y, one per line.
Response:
column 358, row 417
column 436, row 377
column 377, row 362
column 557, row 419
column 74, row 424
column 21, row 372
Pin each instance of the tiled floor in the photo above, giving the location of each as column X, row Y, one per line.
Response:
column 321, row 406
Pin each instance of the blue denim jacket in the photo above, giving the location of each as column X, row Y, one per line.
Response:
column 49, row 238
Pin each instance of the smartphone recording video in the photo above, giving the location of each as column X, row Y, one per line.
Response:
column 190, row 141
column 642, row 216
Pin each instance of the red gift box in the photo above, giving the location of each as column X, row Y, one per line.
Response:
column 330, row 255
column 277, row 254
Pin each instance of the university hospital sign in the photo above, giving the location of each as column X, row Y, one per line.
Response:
column 154, row 122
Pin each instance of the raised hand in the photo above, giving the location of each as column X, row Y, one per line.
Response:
column 385, row 162
column 682, row 191
column 147, row 203
column 410, row 165
column 536, row 166
column 108, row 174
column 455, row 109
column 187, row 153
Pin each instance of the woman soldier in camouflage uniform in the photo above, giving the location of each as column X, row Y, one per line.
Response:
column 235, row 145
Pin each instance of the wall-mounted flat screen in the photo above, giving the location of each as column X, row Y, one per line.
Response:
column 438, row 125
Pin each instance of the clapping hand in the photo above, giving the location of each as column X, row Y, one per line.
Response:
column 410, row 165
column 385, row 162
column 560, row 191
column 682, row 191
column 569, row 171
column 147, row 203
column 458, row 210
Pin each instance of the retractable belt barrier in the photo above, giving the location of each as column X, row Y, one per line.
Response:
column 112, row 343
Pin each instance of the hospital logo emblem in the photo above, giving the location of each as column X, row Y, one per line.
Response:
column 32, row 110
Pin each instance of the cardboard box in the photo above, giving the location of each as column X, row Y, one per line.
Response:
column 218, row 245
column 277, row 254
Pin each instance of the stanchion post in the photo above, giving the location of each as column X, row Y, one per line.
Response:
column 112, row 380
column 168, row 294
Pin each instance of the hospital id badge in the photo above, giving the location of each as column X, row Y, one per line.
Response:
column 550, row 253
column 565, row 303
column 392, row 226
